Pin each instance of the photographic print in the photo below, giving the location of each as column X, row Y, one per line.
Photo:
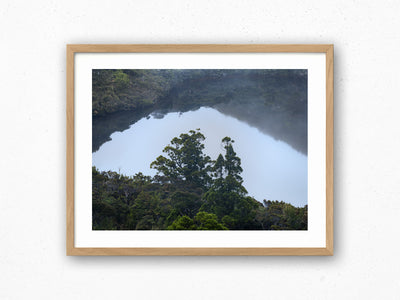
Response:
column 203, row 149
column 199, row 150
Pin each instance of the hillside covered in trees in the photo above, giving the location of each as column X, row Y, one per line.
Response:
column 126, row 90
column 274, row 101
column 190, row 192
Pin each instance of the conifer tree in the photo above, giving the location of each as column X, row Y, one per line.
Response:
column 186, row 160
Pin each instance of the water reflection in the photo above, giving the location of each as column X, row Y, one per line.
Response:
column 271, row 168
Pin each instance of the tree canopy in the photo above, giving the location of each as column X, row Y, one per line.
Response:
column 186, row 160
column 189, row 192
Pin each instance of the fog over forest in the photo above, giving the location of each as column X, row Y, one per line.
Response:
column 136, row 113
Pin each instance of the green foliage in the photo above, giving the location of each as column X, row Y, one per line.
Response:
column 128, row 90
column 256, row 96
column 207, row 221
column 191, row 192
column 121, row 80
column 188, row 183
column 202, row 221
column 227, row 192
column 185, row 203
column 186, row 161
column 280, row 90
column 232, row 162
column 278, row 215
column 182, row 223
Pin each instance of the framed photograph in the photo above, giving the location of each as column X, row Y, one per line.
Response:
column 199, row 150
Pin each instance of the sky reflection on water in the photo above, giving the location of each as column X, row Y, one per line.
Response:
column 271, row 169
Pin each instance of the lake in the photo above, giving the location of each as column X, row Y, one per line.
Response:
column 272, row 169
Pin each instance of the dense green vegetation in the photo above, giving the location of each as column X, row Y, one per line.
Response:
column 124, row 90
column 190, row 192
column 274, row 101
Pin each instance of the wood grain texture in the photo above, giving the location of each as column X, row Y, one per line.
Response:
column 193, row 48
column 200, row 251
column 70, row 151
column 329, row 149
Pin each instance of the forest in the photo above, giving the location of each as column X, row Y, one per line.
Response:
column 116, row 90
column 191, row 191
column 274, row 101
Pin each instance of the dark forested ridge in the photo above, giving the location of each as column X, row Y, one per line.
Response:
column 190, row 192
column 122, row 90
column 258, row 97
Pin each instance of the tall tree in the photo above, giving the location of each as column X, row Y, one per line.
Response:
column 227, row 170
column 232, row 161
column 227, row 191
column 186, row 160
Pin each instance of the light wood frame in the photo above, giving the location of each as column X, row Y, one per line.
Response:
column 194, row 48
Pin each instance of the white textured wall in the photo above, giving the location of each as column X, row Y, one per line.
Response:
column 33, row 35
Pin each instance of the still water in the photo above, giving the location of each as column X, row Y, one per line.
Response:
column 272, row 169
